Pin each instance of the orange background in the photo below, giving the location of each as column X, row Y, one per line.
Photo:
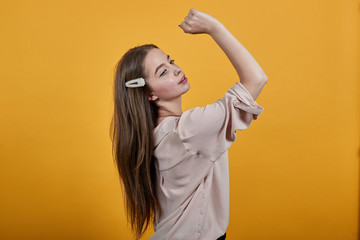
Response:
column 294, row 174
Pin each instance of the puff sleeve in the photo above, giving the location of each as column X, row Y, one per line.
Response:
column 210, row 130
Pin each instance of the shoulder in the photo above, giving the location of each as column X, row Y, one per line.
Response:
column 166, row 126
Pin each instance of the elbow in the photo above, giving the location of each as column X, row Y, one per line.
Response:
column 261, row 77
column 264, row 78
column 259, row 80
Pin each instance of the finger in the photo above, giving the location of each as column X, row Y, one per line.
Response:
column 186, row 27
column 190, row 16
column 192, row 11
column 182, row 26
column 187, row 20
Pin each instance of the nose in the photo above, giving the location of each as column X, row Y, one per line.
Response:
column 177, row 70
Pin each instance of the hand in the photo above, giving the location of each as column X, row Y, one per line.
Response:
column 198, row 22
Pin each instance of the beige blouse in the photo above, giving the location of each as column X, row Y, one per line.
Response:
column 192, row 166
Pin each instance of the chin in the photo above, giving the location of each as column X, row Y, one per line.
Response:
column 187, row 88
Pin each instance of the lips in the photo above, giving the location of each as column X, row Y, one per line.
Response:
column 182, row 79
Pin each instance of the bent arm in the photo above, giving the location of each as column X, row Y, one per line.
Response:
column 250, row 73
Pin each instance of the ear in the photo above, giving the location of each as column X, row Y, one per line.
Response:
column 153, row 97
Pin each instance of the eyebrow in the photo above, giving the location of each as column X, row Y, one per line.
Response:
column 161, row 65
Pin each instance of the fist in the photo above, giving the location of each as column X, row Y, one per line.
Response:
column 197, row 22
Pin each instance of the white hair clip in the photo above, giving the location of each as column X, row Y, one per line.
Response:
column 139, row 82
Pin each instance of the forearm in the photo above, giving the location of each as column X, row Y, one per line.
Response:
column 245, row 65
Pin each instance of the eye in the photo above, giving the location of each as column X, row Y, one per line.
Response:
column 163, row 73
column 165, row 70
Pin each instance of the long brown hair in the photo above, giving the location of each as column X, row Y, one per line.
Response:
column 131, row 132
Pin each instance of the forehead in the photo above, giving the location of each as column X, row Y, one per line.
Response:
column 153, row 59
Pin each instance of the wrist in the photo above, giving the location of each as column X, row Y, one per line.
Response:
column 216, row 27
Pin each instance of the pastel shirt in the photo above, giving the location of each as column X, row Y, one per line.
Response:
column 192, row 166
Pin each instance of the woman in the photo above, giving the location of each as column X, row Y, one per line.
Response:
column 174, row 164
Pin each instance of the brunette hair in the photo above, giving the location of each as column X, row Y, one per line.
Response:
column 131, row 132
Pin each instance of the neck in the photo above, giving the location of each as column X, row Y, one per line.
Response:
column 169, row 108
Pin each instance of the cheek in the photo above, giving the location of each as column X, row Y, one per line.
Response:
column 166, row 90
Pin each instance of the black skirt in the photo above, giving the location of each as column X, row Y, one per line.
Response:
column 222, row 237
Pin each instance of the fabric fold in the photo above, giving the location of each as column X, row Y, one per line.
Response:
column 210, row 130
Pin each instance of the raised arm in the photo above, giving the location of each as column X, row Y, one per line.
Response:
column 249, row 71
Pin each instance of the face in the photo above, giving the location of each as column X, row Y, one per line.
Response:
column 163, row 76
